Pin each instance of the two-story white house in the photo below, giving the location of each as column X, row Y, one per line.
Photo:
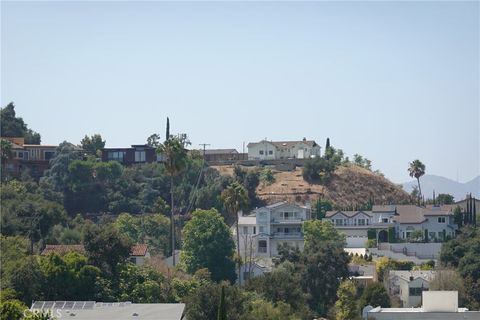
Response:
column 270, row 226
column 435, row 223
column 409, row 285
column 275, row 150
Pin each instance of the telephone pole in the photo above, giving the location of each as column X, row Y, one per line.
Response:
column 204, row 145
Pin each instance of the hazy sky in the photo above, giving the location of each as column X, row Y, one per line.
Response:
column 393, row 81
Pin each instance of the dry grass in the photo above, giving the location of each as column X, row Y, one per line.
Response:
column 350, row 185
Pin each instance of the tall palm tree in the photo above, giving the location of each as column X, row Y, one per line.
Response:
column 175, row 161
column 417, row 169
column 235, row 198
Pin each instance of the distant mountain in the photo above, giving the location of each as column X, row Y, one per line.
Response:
column 445, row 185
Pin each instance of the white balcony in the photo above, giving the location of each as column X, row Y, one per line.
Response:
column 288, row 235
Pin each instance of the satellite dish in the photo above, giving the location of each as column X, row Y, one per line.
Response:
column 365, row 311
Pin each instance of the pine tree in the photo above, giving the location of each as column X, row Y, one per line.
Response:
column 222, row 310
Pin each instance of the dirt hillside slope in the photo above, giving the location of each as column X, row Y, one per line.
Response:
column 350, row 186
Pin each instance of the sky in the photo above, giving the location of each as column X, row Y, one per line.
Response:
column 392, row 81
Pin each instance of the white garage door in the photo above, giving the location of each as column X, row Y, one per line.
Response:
column 356, row 242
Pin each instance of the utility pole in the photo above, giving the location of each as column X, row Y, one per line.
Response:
column 204, row 145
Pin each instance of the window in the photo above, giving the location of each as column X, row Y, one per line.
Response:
column 260, row 152
column 254, row 230
column 385, row 220
column 270, row 152
column 262, row 246
column 133, row 260
column 116, row 155
column 339, row 222
column 139, row 156
column 49, row 155
column 441, row 219
column 361, row 222
column 415, row 292
column 245, row 230
column 20, row 155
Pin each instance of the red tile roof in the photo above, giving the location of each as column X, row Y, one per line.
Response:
column 63, row 248
column 139, row 250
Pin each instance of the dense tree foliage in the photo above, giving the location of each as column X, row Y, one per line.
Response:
column 93, row 145
column 375, row 295
column 208, row 244
column 461, row 254
column 13, row 126
column 345, row 306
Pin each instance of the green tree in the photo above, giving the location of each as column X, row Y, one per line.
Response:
column 323, row 265
column 417, row 169
column 266, row 176
column 320, row 230
column 208, row 244
column 93, row 145
column 175, row 161
column 444, row 198
column 235, row 199
column 321, row 207
column 12, row 126
column 6, row 154
column 345, row 306
column 106, row 247
column 375, row 295
column 153, row 140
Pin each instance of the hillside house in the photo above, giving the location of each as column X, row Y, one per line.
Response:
column 276, row 150
column 220, row 155
column 268, row 227
column 32, row 157
column 435, row 224
column 409, row 285
column 140, row 153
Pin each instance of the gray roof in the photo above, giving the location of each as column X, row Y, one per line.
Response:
column 427, row 275
column 219, row 151
column 117, row 311
column 349, row 214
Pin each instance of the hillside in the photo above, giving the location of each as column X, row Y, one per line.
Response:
column 349, row 186
column 440, row 184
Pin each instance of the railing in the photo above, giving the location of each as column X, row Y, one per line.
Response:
column 289, row 235
column 287, row 220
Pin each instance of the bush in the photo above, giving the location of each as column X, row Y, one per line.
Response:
column 371, row 243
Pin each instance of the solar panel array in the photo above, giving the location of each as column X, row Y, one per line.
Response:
column 63, row 305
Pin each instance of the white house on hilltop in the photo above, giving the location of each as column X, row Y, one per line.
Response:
column 275, row 150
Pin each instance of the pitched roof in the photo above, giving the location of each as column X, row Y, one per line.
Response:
column 427, row 275
column 139, row 250
column 349, row 214
column 285, row 144
column 62, row 249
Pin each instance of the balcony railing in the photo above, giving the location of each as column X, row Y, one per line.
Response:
column 289, row 235
column 287, row 220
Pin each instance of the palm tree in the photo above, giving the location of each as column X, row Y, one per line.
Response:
column 417, row 169
column 235, row 198
column 175, row 156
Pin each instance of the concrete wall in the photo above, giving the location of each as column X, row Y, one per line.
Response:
column 426, row 250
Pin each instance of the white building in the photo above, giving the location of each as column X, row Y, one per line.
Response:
column 262, row 232
column 409, row 285
column 274, row 150
column 435, row 223
column 437, row 305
